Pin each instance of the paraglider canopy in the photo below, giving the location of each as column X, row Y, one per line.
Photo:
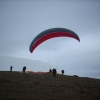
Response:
column 52, row 33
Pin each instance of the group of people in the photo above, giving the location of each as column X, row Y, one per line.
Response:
column 50, row 71
column 54, row 72
column 23, row 70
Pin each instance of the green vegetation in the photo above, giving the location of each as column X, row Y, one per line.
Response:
column 20, row 86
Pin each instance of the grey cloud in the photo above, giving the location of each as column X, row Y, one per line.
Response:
column 21, row 21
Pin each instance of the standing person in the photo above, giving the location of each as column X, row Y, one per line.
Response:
column 11, row 68
column 50, row 71
column 62, row 71
column 24, row 69
column 54, row 72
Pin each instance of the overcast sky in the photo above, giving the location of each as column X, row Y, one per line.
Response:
column 21, row 21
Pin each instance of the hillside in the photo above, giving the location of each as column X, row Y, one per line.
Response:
column 19, row 86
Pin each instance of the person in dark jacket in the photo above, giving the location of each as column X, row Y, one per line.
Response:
column 24, row 69
column 62, row 71
column 54, row 72
column 11, row 68
column 50, row 71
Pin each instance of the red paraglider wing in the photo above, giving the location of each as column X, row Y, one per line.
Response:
column 52, row 33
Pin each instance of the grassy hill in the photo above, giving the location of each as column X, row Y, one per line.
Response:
column 20, row 86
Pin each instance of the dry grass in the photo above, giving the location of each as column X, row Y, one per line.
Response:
column 19, row 86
